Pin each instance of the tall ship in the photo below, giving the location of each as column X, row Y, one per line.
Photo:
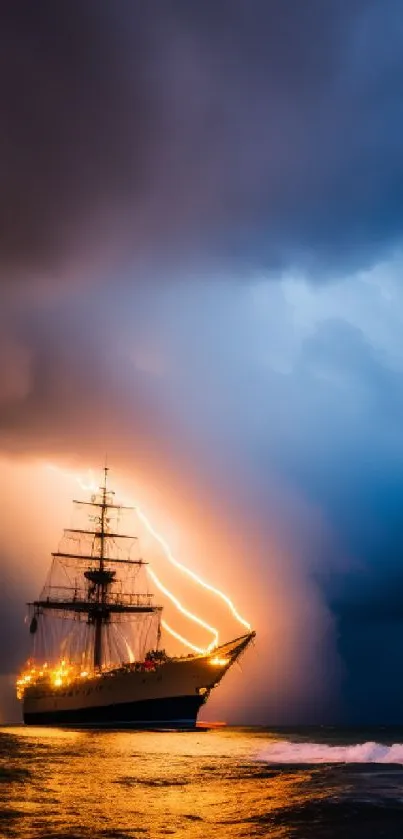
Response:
column 96, row 631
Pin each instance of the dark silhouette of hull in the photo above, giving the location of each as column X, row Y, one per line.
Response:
column 171, row 712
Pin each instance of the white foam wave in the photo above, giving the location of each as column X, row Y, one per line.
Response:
column 285, row 751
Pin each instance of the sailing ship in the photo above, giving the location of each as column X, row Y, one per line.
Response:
column 97, row 659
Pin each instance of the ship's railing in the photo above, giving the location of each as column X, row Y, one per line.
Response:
column 116, row 598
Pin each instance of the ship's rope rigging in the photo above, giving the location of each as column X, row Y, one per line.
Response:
column 116, row 519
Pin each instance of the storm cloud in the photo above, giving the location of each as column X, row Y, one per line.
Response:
column 198, row 137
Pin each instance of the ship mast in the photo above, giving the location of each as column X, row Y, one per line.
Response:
column 99, row 618
column 100, row 601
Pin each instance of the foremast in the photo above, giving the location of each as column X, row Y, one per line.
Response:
column 99, row 601
column 101, row 616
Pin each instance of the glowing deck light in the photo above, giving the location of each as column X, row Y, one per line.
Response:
column 61, row 674
column 184, row 611
column 219, row 662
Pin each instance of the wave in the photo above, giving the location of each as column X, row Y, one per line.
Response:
column 286, row 751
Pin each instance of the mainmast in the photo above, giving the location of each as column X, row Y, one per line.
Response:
column 99, row 601
column 100, row 616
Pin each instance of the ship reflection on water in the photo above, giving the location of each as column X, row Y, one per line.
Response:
column 63, row 784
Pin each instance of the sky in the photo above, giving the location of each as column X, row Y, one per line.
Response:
column 200, row 274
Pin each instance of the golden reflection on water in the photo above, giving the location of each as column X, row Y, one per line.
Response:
column 130, row 784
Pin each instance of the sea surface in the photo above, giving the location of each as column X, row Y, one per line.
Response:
column 221, row 783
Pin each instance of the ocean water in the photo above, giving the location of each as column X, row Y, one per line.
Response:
column 221, row 783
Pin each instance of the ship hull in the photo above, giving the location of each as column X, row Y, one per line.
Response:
column 168, row 712
column 168, row 695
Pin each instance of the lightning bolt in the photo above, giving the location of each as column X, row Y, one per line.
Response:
column 185, row 570
column 89, row 485
column 181, row 638
column 182, row 609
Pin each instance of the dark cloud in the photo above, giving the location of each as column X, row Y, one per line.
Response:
column 67, row 385
column 248, row 137
column 75, row 119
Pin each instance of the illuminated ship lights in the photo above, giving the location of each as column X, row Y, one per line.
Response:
column 65, row 674
column 219, row 662
column 61, row 675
